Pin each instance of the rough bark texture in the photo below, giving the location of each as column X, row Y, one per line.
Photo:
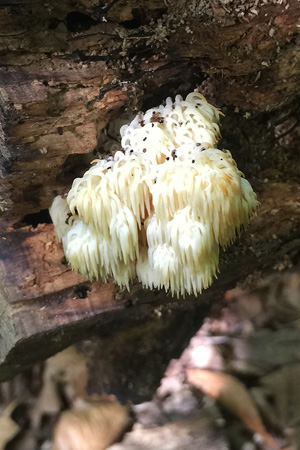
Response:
column 69, row 68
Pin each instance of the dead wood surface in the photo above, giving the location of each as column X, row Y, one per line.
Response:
column 66, row 70
column 46, row 306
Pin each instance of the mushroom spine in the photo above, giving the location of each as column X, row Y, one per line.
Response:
column 162, row 206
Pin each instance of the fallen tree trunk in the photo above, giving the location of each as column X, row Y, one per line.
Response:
column 46, row 306
column 67, row 71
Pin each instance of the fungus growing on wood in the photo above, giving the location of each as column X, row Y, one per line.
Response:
column 160, row 208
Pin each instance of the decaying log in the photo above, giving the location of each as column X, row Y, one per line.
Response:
column 69, row 68
column 46, row 306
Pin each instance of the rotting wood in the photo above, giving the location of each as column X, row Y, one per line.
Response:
column 64, row 73
column 45, row 306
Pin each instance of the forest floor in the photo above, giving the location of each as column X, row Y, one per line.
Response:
column 236, row 386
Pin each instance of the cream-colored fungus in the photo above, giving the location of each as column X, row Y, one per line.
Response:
column 161, row 207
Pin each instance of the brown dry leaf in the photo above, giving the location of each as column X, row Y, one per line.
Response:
column 70, row 368
column 262, row 351
column 276, row 301
column 92, row 428
column 8, row 427
column 66, row 370
column 48, row 403
column 273, row 301
column 282, row 387
column 231, row 393
column 284, row 299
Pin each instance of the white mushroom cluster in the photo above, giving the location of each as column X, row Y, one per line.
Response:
column 162, row 206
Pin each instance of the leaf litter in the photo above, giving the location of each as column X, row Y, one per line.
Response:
column 236, row 386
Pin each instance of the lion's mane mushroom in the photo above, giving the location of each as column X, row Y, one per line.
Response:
column 160, row 208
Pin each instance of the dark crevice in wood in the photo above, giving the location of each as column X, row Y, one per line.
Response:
column 82, row 290
column 141, row 17
column 182, row 82
column 53, row 23
column 34, row 219
column 79, row 56
column 74, row 167
column 77, row 21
